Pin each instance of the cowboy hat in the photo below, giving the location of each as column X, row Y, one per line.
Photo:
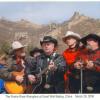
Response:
column 72, row 34
column 47, row 39
column 33, row 51
column 17, row 45
column 90, row 36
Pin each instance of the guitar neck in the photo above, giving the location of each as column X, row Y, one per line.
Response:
column 42, row 72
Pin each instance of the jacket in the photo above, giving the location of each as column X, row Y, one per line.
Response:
column 70, row 57
column 41, row 62
column 92, row 76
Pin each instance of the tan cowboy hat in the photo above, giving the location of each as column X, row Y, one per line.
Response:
column 70, row 33
column 17, row 45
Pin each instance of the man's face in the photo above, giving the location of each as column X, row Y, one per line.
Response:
column 20, row 52
column 92, row 43
column 36, row 54
column 71, row 42
column 48, row 47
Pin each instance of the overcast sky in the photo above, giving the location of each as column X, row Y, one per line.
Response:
column 44, row 12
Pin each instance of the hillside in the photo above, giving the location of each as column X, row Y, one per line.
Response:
column 30, row 33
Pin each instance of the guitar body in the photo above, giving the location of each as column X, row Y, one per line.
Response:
column 42, row 77
column 13, row 87
column 38, row 86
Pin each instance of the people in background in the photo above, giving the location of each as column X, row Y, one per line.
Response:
column 36, row 52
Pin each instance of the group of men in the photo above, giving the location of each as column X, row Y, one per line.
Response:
column 76, row 70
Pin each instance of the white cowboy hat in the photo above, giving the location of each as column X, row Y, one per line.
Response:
column 70, row 33
column 17, row 45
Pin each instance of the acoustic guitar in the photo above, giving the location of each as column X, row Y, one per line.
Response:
column 41, row 77
column 13, row 87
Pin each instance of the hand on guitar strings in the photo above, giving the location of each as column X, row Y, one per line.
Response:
column 32, row 78
column 46, row 86
column 78, row 65
column 19, row 78
column 90, row 64
column 52, row 66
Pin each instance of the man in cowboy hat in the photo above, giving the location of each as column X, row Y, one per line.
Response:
column 18, row 50
column 91, row 61
column 91, row 37
column 15, row 63
column 72, row 39
column 54, row 82
column 18, row 58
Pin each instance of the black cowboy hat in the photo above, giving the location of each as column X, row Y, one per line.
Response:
column 90, row 36
column 33, row 51
column 47, row 39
